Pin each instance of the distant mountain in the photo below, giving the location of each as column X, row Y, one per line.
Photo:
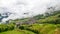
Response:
column 4, row 15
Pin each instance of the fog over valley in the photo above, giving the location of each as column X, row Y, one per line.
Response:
column 15, row 9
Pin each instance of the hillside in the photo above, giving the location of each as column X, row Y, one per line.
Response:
column 40, row 24
column 35, row 29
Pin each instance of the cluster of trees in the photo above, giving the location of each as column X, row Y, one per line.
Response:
column 6, row 27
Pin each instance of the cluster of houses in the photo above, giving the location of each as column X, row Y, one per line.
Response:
column 29, row 22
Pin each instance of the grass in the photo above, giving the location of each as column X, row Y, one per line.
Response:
column 17, row 32
column 41, row 28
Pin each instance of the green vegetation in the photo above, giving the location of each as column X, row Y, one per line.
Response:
column 52, row 20
column 42, row 28
column 35, row 29
column 49, row 23
column 6, row 27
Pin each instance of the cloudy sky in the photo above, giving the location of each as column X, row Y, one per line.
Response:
column 18, row 7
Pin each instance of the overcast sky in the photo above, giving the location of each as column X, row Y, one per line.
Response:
column 18, row 7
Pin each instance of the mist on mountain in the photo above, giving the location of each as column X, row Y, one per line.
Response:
column 15, row 9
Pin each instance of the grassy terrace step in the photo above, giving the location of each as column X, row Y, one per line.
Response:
column 18, row 32
column 51, row 32
column 48, row 28
column 57, row 31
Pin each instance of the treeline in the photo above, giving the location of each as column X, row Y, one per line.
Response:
column 46, row 14
column 49, row 18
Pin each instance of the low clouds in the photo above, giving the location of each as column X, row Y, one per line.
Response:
column 18, row 7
